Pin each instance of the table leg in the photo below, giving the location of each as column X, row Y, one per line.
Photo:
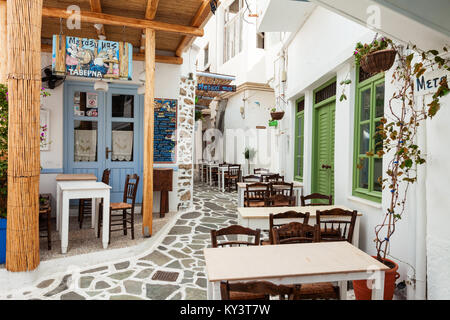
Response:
column 96, row 213
column 240, row 197
column 219, row 180
column 223, row 181
column 64, row 223
column 297, row 197
column 58, row 207
column 106, row 221
column 210, row 175
column 378, row 286
column 213, row 292
column 93, row 211
column 343, row 290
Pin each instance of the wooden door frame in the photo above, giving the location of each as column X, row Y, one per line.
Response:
column 314, row 156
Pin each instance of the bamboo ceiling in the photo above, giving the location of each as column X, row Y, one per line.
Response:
column 177, row 12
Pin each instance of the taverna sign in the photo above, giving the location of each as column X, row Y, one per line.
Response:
column 92, row 58
column 429, row 82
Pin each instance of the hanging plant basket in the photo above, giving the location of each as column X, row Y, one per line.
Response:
column 277, row 115
column 378, row 61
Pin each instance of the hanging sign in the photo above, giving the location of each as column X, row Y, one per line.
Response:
column 429, row 82
column 92, row 58
column 216, row 87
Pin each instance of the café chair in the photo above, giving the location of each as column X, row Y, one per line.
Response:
column 336, row 224
column 325, row 200
column 264, row 290
column 256, row 194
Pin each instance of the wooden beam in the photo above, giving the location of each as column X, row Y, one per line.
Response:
column 4, row 44
column 96, row 6
column 199, row 19
column 24, row 87
column 136, row 56
column 152, row 7
column 107, row 19
column 149, row 105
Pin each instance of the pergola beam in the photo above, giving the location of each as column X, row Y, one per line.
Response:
column 152, row 7
column 199, row 19
column 113, row 20
column 96, row 6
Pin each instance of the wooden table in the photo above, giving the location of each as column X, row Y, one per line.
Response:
column 76, row 177
column 258, row 217
column 293, row 264
column 298, row 190
column 67, row 190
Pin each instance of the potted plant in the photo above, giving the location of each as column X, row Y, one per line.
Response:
column 276, row 115
column 3, row 168
column 198, row 115
column 397, row 137
column 375, row 57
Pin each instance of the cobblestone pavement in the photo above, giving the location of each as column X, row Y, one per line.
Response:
column 180, row 252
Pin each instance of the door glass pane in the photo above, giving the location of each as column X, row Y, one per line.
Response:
column 379, row 100
column 378, row 139
column 122, row 141
column 364, row 138
column 85, row 104
column 122, row 106
column 364, row 173
column 85, row 144
column 377, row 174
column 365, row 105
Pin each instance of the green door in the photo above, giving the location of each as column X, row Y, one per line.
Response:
column 323, row 163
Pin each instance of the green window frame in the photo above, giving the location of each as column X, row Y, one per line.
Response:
column 299, row 152
column 369, row 109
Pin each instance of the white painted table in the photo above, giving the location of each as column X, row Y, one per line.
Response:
column 294, row 264
column 242, row 186
column 258, row 217
column 67, row 190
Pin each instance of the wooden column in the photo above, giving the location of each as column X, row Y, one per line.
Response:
column 24, row 83
column 3, row 44
column 147, row 206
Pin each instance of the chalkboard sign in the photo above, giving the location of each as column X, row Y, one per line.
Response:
column 165, row 131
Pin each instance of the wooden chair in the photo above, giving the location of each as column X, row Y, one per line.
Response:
column 256, row 194
column 281, row 194
column 45, row 212
column 327, row 200
column 296, row 232
column 336, row 224
column 85, row 205
column 251, row 178
column 235, row 230
column 127, row 209
column 232, row 176
column 302, row 217
column 234, row 291
column 260, row 171
column 272, row 178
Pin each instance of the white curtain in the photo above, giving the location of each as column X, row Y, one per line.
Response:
column 85, row 145
column 122, row 145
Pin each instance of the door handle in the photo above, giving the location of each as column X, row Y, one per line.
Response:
column 324, row 166
column 107, row 152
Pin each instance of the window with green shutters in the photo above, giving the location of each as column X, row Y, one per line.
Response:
column 299, row 139
column 369, row 109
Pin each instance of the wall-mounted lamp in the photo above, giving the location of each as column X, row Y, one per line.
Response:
column 242, row 111
column 101, row 85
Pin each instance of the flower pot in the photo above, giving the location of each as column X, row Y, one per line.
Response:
column 362, row 292
column 378, row 61
column 2, row 240
column 277, row 115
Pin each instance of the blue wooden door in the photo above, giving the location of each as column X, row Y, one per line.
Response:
column 103, row 130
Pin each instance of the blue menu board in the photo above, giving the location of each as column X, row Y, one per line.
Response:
column 165, row 131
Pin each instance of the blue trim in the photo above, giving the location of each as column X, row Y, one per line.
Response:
column 52, row 171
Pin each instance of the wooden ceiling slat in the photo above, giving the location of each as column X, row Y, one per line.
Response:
column 96, row 6
column 152, row 7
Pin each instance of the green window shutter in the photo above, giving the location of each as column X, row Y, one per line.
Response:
column 299, row 139
column 369, row 109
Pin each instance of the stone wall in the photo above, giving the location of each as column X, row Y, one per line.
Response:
column 186, row 107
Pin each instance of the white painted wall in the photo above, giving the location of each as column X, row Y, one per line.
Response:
column 167, row 77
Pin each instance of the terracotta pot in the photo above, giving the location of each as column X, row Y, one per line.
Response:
column 277, row 115
column 378, row 61
column 362, row 292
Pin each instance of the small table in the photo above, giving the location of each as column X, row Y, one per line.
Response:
column 293, row 264
column 242, row 186
column 66, row 190
column 258, row 217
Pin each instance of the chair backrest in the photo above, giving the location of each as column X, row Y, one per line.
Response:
column 251, row 178
column 258, row 287
column 336, row 224
column 283, row 188
column 273, row 178
column 302, row 217
column 327, row 200
column 279, row 200
column 131, row 188
column 235, row 230
column 296, row 232
column 260, row 170
column 234, row 169
column 105, row 176
column 255, row 192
